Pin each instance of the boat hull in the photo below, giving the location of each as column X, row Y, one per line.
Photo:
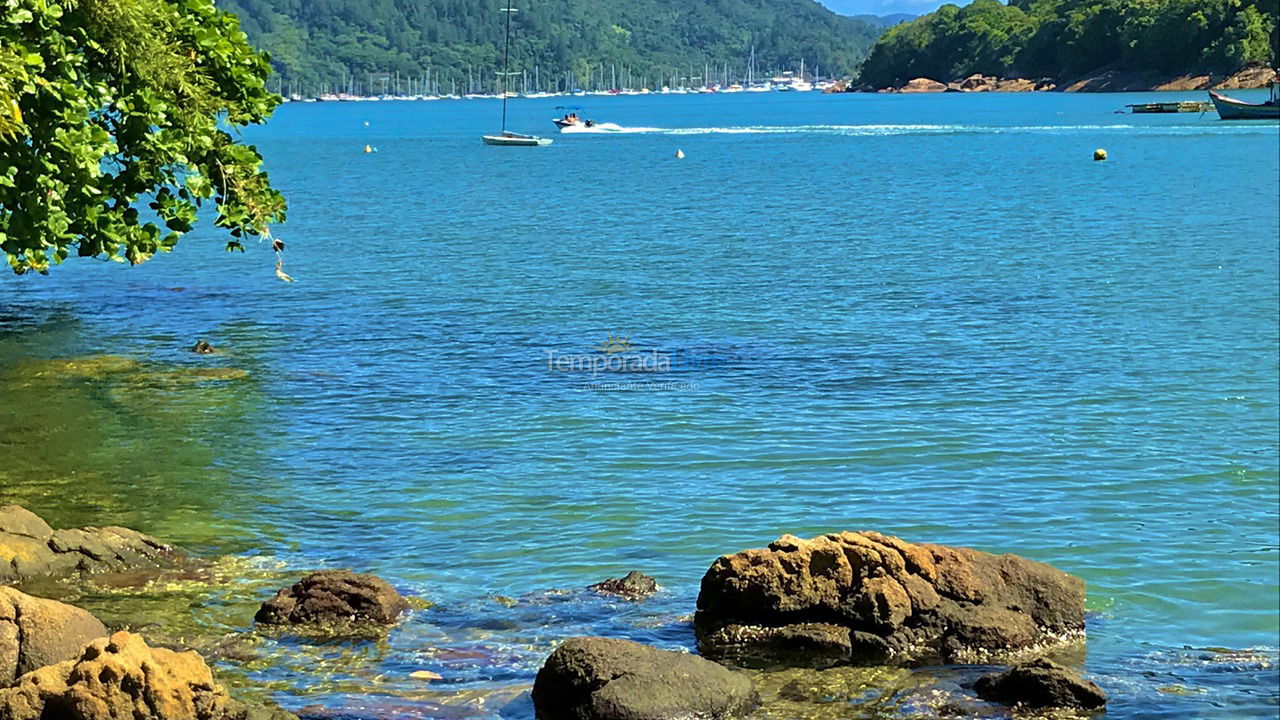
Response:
column 1232, row 109
column 515, row 140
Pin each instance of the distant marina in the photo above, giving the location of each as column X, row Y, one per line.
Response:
column 429, row 88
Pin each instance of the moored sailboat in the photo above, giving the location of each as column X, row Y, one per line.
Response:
column 507, row 138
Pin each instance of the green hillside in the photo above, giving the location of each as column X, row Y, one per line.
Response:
column 1067, row 38
column 324, row 44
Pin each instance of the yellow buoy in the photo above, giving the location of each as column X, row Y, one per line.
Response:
column 1099, row 154
column 679, row 154
column 368, row 148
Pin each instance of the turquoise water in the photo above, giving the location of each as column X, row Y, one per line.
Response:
column 932, row 316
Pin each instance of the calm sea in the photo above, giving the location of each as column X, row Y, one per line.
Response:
column 933, row 316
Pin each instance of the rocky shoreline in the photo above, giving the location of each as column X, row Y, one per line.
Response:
column 846, row 611
column 1104, row 81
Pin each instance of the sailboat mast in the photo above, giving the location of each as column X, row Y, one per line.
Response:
column 506, row 57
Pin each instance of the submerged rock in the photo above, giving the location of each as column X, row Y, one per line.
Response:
column 1040, row 683
column 35, row 632
column 609, row 679
column 634, row 586
column 333, row 597
column 121, row 677
column 30, row 549
column 871, row 598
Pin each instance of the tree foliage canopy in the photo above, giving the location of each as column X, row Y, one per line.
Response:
column 315, row 43
column 1065, row 38
column 109, row 104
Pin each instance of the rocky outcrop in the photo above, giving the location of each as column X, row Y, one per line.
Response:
column 1128, row 81
column 121, row 677
column 1040, row 683
column 35, row 632
column 1253, row 77
column 923, row 85
column 610, row 679
column 1183, row 83
column 1110, row 81
column 334, row 597
column 30, row 549
column 870, row 598
column 1025, row 85
column 634, row 586
column 978, row 83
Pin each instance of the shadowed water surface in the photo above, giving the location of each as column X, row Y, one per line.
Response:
column 938, row 318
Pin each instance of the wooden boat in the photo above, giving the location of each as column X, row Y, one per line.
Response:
column 1171, row 107
column 1232, row 109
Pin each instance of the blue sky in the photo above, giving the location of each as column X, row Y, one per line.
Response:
column 885, row 7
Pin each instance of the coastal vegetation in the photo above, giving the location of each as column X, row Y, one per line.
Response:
column 114, row 129
column 1068, row 38
column 338, row 45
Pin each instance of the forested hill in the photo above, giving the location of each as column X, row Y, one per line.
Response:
column 314, row 44
column 1063, row 39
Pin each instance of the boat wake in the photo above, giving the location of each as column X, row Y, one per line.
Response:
column 946, row 129
column 914, row 129
column 606, row 129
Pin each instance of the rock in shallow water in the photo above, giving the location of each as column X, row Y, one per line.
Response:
column 871, row 598
column 121, row 677
column 634, row 586
column 334, row 597
column 610, row 679
column 30, row 549
column 35, row 632
column 1040, row 683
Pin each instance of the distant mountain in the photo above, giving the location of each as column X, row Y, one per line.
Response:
column 318, row 45
column 885, row 20
column 881, row 12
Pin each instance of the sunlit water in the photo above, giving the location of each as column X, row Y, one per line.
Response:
column 932, row 316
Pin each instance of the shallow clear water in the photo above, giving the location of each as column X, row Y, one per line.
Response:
column 933, row 316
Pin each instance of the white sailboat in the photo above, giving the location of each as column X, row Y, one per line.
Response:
column 508, row 138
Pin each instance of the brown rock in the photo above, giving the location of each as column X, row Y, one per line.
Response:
column 1110, row 81
column 1184, row 83
column 609, row 679
column 334, row 597
column 809, row 644
column 923, row 85
column 1023, row 85
column 867, row 597
column 634, row 586
column 1040, row 683
column 30, row 549
column 121, row 677
column 978, row 82
column 35, row 632
column 1257, row 76
column 17, row 520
